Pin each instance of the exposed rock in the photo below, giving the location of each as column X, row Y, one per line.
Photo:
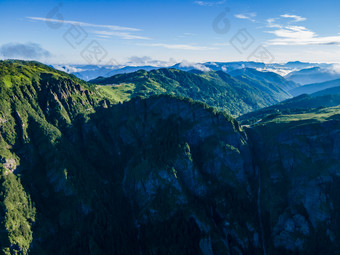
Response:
column 9, row 164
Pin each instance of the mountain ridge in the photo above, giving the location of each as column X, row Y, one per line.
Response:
column 218, row 89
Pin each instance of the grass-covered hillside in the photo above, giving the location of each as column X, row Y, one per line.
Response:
column 301, row 104
column 271, row 80
column 217, row 89
column 36, row 103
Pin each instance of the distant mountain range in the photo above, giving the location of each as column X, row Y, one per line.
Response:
column 89, row 72
column 315, row 87
column 329, row 91
column 313, row 75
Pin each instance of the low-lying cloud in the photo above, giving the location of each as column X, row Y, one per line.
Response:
column 335, row 68
column 147, row 61
column 31, row 51
column 197, row 66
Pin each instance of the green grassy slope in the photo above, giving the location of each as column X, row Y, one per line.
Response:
column 297, row 105
column 217, row 89
column 271, row 80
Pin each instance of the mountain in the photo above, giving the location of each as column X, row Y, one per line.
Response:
column 82, row 174
column 312, row 75
column 312, row 88
column 80, row 178
column 298, row 65
column 330, row 91
column 88, row 72
column 298, row 158
column 296, row 105
column 36, row 103
column 219, row 66
column 217, row 89
column 268, row 78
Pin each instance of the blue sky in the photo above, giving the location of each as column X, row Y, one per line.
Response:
column 165, row 32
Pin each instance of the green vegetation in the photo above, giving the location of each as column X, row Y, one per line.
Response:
column 36, row 104
column 117, row 93
column 269, row 80
column 297, row 105
column 17, row 215
column 217, row 89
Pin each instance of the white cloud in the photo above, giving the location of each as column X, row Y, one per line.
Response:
column 271, row 23
column 249, row 16
column 148, row 61
column 294, row 32
column 205, row 3
column 119, row 31
column 197, row 66
column 67, row 68
column 202, row 68
column 24, row 51
column 84, row 24
column 297, row 35
column 179, row 46
column 296, row 18
column 186, row 63
column 300, row 40
column 335, row 68
column 123, row 35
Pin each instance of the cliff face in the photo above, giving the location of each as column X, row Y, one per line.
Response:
column 162, row 175
column 36, row 104
column 299, row 162
column 158, row 175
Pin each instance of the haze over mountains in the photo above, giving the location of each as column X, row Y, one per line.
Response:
column 313, row 75
column 89, row 72
column 315, row 87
